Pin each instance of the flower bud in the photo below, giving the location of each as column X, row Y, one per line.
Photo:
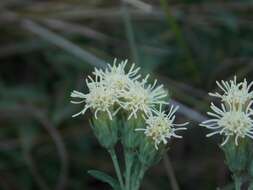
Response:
column 148, row 154
column 237, row 156
column 130, row 138
column 106, row 130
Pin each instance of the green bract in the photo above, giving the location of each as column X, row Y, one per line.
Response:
column 106, row 130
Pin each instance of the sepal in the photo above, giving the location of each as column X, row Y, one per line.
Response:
column 131, row 138
column 148, row 154
column 106, row 130
column 237, row 156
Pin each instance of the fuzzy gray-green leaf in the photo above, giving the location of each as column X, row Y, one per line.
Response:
column 105, row 178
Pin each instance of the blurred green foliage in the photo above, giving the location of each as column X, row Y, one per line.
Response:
column 48, row 48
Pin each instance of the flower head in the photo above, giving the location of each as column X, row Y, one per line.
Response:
column 234, row 118
column 230, row 121
column 116, row 78
column 115, row 87
column 143, row 97
column 237, row 94
column 98, row 99
column 161, row 127
column 106, row 87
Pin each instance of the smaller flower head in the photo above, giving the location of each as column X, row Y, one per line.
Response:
column 143, row 97
column 237, row 94
column 161, row 127
column 230, row 121
column 98, row 99
column 116, row 78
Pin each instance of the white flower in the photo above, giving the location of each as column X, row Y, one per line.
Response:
column 234, row 93
column 143, row 97
column 116, row 78
column 230, row 121
column 105, row 89
column 98, row 99
column 114, row 88
column 161, row 127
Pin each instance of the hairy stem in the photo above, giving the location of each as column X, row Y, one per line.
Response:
column 140, row 177
column 116, row 167
column 128, row 163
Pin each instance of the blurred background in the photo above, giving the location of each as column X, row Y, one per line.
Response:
column 47, row 48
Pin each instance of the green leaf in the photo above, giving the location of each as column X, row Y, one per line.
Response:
column 105, row 178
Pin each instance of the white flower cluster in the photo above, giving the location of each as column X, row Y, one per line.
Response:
column 114, row 88
column 234, row 118
column 161, row 126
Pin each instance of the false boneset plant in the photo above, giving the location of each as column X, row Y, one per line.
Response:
column 128, row 110
column 233, row 120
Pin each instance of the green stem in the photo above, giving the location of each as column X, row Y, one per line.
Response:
column 140, row 177
column 135, row 172
column 238, row 182
column 128, row 163
column 117, row 168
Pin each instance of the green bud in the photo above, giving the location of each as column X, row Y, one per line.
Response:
column 237, row 156
column 106, row 130
column 131, row 138
column 148, row 154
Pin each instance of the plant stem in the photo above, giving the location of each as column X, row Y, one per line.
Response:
column 238, row 182
column 117, row 168
column 140, row 177
column 128, row 163
column 135, row 172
